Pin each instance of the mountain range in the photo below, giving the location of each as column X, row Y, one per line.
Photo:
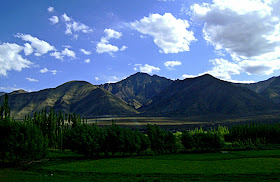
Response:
column 144, row 95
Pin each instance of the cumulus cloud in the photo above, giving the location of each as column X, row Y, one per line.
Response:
column 146, row 68
column 171, row 64
column 259, row 67
column 40, row 47
column 85, row 52
column 87, row 61
column 28, row 49
column 65, row 17
column 74, row 26
column 45, row 70
column 169, row 33
column 32, row 79
column 105, row 47
column 54, row 20
column 249, row 30
column 10, row 58
column 50, row 9
column 225, row 69
column 66, row 52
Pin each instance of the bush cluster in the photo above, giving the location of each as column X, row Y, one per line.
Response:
column 91, row 140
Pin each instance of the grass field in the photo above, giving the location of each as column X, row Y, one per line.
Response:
column 224, row 166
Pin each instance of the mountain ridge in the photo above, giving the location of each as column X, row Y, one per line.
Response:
column 141, row 94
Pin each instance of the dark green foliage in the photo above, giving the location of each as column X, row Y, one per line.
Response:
column 207, row 141
column 21, row 141
column 187, row 140
column 161, row 140
column 85, row 139
column 254, row 133
column 91, row 140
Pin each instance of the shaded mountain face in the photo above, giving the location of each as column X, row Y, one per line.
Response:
column 269, row 88
column 206, row 95
column 2, row 93
column 138, row 88
column 76, row 96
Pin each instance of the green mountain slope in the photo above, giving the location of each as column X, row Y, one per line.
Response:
column 206, row 95
column 75, row 96
column 269, row 88
column 273, row 90
column 138, row 88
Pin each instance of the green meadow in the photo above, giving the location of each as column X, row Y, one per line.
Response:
column 259, row 165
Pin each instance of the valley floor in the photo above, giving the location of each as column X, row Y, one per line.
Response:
column 259, row 165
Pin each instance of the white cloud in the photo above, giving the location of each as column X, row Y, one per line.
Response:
column 105, row 47
column 87, row 61
column 50, row 9
column 96, row 78
column 171, row 64
column 66, row 52
column 123, row 48
column 246, row 29
column 258, row 67
column 65, row 17
column 146, row 68
column 28, row 49
column 112, row 34
column 10, row 59
column 57, row 55
column 169, row 33
column 223, row 69
column 45, row 70
column 31, row 79
column 74, row 26
column 85, row 52
column 54, row 20
column 113, row 79
column 41, row 47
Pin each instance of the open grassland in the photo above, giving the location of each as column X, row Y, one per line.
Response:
column 171, row 123
column 223, row 166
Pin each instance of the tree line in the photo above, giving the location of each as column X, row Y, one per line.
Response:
column 34, row 136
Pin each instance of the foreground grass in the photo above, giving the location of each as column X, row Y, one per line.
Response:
column 227, row 166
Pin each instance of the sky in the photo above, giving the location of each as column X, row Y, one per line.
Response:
column 44, row 44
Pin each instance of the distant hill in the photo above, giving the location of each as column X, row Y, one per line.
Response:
column 257, row 87
column 2, row 93
column 138, row 88
column 206, row 95
column 269, row 88
column 75, row 96
column 19, row 92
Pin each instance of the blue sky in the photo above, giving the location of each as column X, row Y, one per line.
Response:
column 44, row 44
